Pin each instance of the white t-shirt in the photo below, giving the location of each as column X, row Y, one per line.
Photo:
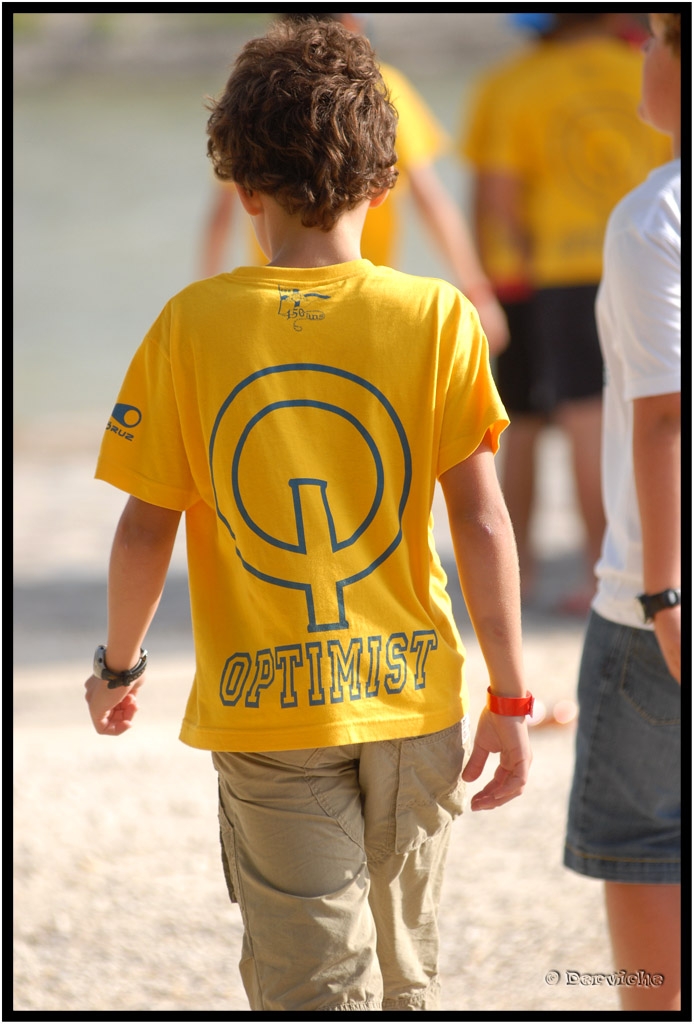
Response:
column 639, row 322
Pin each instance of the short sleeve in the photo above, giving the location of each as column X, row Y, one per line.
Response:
column 473, row 409
column 474, row 135
column 645, row 271
column 142, row 451
column 496, row 124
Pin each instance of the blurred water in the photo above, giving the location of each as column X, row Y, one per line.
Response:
column 111, row 187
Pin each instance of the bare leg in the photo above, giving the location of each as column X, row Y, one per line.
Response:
column 644, row 925
column 518, row 444
column 582, row 422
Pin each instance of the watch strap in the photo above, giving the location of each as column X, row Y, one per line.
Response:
column 115, row 679
column 654, row 603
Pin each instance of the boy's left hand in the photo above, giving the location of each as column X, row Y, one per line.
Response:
column 508, row 737
column 111, row 711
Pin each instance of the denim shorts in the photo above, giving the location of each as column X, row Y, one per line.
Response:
column 625, row 803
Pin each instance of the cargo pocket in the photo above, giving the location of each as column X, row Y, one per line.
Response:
column 228, row 850
column 431, row 790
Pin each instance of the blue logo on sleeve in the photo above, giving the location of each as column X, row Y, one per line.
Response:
column 126, row 417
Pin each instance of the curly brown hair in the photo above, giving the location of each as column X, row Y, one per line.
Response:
column 672, row 30
column 306, row 118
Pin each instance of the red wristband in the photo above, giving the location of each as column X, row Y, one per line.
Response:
column 514, row 706
column 513, row 291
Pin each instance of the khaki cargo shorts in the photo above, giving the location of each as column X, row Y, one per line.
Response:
column 335, row 856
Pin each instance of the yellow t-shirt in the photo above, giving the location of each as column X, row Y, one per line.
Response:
column 301, row 419
column 477, row 145
column 420, row 139
column 563, row 119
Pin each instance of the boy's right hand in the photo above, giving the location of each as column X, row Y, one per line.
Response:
column 111, row 711
column 508, row 737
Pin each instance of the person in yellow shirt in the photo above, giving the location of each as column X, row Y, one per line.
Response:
column 300, row 414
column 554, row 141
column 421, row 140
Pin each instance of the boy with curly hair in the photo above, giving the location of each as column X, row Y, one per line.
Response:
column 300, row 414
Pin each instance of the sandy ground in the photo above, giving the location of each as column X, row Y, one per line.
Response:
column 119, row 899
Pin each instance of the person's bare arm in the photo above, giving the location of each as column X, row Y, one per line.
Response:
column 217, row 231
column 657, row 472
column 447, row 226
column 140, row 557
column 487, row 561
column 498, row 221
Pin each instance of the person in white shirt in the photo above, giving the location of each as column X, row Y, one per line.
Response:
column 625, row 803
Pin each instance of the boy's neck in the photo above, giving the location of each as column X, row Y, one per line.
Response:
column 287, row 243
column 311, row 247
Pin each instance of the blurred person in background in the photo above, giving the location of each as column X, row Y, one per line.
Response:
column 554, row 142
column 421, row 140
column 625, row 807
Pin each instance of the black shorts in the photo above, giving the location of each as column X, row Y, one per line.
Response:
column 554, row 353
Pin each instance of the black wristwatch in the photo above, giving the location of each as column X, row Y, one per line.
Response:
column 653, row 603
column 114, row 679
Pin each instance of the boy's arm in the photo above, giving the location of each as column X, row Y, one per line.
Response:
column 448, row 227
column 140, row 557
column 487, row 561
column 657, row 472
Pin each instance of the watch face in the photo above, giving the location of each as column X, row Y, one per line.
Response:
column 99, row 661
